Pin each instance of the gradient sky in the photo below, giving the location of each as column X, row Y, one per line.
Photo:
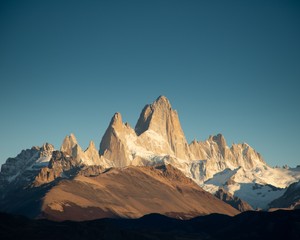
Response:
column 230, row 67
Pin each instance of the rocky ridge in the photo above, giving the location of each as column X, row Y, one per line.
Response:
column 157, row 139
column 21, row 170
column 235, row 202
column 290, row 199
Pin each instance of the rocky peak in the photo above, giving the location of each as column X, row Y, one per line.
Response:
column 162, row 119
column 115, row 125
column 91, row 147
column 12, row 168
column 162, row 101
column 46, row 150
column 63, row 159
column 220, row 140
column 72, row 148
column 246, row 156
column 18, row 172
column 116, row 121
column 112, row 146
column 77, row 152
column 158, row 133
column 68, row 144
column 153, row 114
column 92, row 154
column 47, row 147
column 60, row 165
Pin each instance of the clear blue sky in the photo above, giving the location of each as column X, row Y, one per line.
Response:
column 230, row 67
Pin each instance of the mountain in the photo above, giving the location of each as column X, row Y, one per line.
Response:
column 290, row 199
column 88, row 157
column 50, row 179
column 69, row 190
column 235, row 202
column 247, row 225
column 130, row 192
column 157, row 135
column 22, row 169
column 159, row 118
column 158, row 138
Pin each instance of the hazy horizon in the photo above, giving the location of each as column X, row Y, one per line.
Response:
column 227, row 67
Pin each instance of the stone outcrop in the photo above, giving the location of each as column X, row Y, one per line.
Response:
column 290, row 199
column 61, row 165
column 233, row 201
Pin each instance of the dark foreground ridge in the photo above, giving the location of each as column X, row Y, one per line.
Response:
column 248, row 225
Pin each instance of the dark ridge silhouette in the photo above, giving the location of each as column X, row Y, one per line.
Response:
column 247, row 225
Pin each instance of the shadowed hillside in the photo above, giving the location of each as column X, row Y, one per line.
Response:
column 247, row 225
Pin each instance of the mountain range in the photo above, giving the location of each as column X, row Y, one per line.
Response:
column 147, row 169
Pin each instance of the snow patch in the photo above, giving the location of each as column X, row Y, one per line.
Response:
column 42, row 161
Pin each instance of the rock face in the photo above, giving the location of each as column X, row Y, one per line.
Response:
column 220, row 156
column 290, row 199
column 68, row 144
column 112, row 145
column 21, row 170
column 11, row 168
column 69, row 161
column 157, row 133
column 160, row 118
column 61, row 165
column 90, row 156
column 235, row 202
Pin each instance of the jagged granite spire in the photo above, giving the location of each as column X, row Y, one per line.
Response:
column 92, row 154
column 68, row 144
column 162, row 119
column 111, row 146
column 160, row 108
